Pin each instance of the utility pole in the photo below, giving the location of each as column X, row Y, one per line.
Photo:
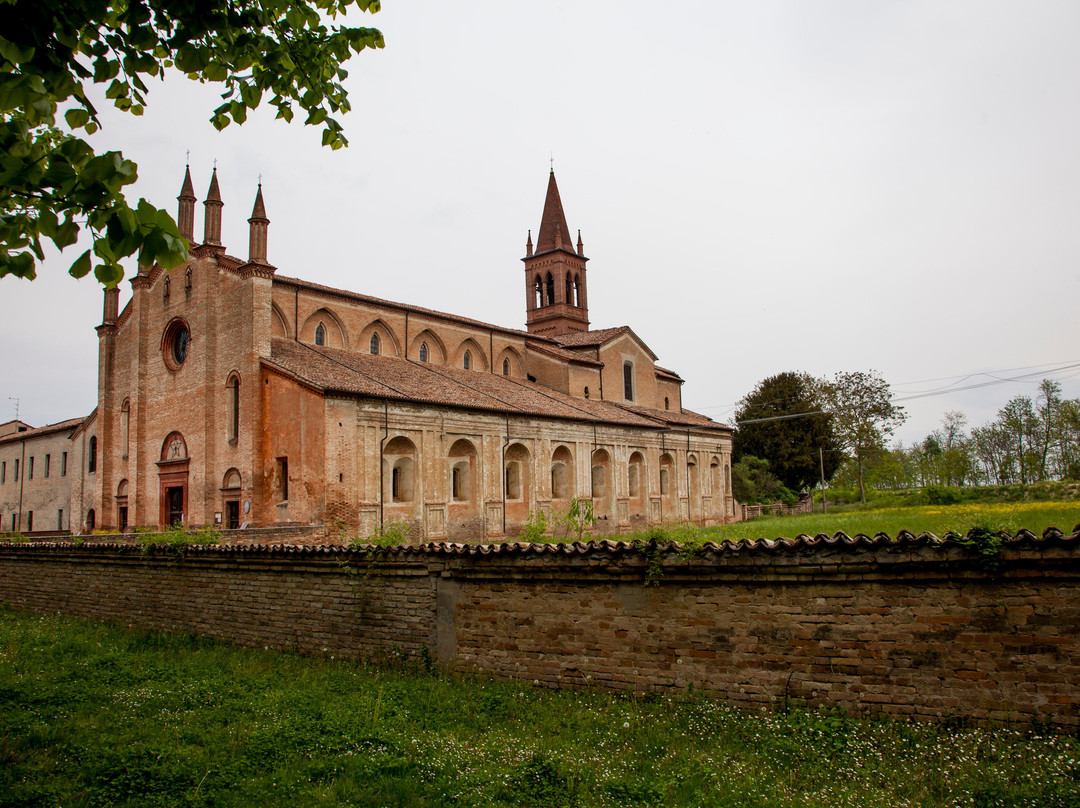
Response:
column 821, row 460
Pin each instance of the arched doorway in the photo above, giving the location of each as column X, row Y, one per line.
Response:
column 230, row 499
column 173, row 469
column 122, row 506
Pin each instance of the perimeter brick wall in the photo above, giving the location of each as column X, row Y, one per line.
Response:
column 908, row 628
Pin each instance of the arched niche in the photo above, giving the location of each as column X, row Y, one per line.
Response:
column 478, row 357
column 401, row 480
column 562, row 477
column 388, row 344
column 667, row 482
column 693, row 485
column 279, row 326
column 716, row 485
column 436, row 349
column 333, row 330
column 637, row 483
column 517, row 484
column 602, row 483
column 463, row 480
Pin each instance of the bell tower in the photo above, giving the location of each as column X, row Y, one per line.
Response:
column 555, row 281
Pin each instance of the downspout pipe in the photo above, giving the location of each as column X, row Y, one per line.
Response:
column 502, row 472
column 663, row 451
column 22, row 478
column 382, row 472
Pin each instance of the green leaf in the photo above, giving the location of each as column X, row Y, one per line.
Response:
column 81, row 267
column 76, row 118
column 109, row 274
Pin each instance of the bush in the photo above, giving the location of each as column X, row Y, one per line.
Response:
column 535, row 528
column 390, row 534
column 942, row 495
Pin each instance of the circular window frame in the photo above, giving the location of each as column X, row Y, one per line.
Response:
column 170, row 340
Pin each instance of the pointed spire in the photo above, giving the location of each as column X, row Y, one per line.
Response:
column 528, row 245
column 186, row 215
column 214, row 193
column 553, row 222
column 258, row 225
column 188, row 191
column 213, row 205
column 580, row 246
column 258, row 212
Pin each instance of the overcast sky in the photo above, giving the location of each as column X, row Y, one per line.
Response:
column 761, row 187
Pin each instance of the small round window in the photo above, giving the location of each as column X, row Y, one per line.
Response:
column 175, row 344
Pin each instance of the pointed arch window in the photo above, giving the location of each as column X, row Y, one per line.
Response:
column 374, row 346
column 468, row 361
column 125, row 426
column 569, row 291
column 506, row 367
column 550, row 284
column 91, row 463
column 320, row 334
column 628, row 380
column 233, row 386
column 577, row 291
column 423, row 351
column 538, row 290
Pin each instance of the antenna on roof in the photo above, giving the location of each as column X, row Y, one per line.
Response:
column 12, row 398
column 552, row 161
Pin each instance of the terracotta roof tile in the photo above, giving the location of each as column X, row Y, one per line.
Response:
column 1021, row 540
column 36, row 432
column 335, row 370
column 671, row 374
column 681, row 418
column 588, row 339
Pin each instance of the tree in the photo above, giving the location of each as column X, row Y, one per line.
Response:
column 54, row 52
column 1048, row 412
column 863, row 414
column 752, row 482
column 791, row 445
column 1020, row 423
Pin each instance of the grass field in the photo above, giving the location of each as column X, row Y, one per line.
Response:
column 92, row 715
column 936, row 519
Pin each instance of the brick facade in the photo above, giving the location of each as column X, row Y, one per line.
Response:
column 229, row 395
column 910, row 627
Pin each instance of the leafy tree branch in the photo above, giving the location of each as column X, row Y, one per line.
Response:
column 287, row 53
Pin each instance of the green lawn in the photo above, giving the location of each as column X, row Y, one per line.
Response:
column 936, row 519
column 98, row 716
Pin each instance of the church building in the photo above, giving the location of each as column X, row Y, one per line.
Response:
column 230, row 395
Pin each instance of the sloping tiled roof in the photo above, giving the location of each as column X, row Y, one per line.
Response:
column 590, row 339
column 377, row 301
column 670, row 374
column 37, row 432
column 593, row 339
column 1021, row 540
column 680, row 418
column 562, row 353
column 335, row 370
